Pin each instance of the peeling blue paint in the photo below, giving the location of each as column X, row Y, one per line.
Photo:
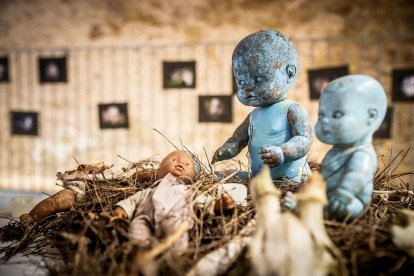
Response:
column 278, row 131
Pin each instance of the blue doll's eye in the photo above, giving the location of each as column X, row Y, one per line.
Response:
column 321, row 115
column 259, row 79
column 242, row 82
column 338, row 114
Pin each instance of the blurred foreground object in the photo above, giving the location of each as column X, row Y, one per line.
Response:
column 285, row 244
column 402, row 231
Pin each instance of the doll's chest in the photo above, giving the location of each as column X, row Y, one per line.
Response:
column 270, row 122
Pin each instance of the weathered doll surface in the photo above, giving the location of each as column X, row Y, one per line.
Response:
column 269, row 127
column 349, row 175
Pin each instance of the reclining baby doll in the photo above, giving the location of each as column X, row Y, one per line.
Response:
column 160, row 211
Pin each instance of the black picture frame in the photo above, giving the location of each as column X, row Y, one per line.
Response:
column 385, row 129
column 180, row 74
column 4, row 69
column 215, row 109
column 403, row 85
column 319, row 78
column 52, row 70
column 24, row 123
column 113, row 115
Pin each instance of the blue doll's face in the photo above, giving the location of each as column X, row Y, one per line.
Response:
column 343, row 119
column 259, row 83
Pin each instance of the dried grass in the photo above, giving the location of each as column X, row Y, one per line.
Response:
column 94, row 243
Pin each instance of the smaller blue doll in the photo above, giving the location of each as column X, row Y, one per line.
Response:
column 351, row 109
column 278, row 132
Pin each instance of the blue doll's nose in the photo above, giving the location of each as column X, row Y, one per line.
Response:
column 324, row 120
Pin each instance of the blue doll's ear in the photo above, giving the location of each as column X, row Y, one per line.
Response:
column 372, row 115
column 291, row 72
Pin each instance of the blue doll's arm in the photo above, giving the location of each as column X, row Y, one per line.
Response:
column 298, row 146
column 235, row 144
column 354, row 191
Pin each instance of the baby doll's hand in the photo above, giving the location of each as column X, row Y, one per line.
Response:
column 119, row 212
column 225, row 152
column 273, row 156
column 225, row 202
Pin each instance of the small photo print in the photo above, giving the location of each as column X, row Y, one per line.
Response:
column 24, row 123
column 319, row 78
column 179, row 74
column 215, row 109
column 385, row 129
column 52, row 70
column 403, row 85
column 4, row 69
column 113, row 115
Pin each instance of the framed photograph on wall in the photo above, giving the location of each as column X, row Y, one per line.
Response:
column 52, row 70
column 24, row 123
column 215, row 109
column 403, row 85
column 113, row 115
column 179, row 74
column 318, row 79
column 4, row 69
column 385, row 129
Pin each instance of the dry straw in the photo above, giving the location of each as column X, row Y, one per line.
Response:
column 91, row 242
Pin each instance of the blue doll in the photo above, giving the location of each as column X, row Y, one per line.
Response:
column 278, row 131
column 351, row 109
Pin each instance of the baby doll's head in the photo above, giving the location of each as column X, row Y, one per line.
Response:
column 351, row 108
column 265, row 65
column 178, row 163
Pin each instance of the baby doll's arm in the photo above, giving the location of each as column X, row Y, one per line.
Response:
column 354, row 191
column 235, row 144
column 298, row 146
column 129, row 204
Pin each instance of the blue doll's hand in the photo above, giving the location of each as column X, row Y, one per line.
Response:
column 225, row 152
column 339, row 202
column 273, row 156
column 289, row 202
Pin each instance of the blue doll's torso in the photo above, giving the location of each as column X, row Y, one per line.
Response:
column 336, row 164
column 269, row 126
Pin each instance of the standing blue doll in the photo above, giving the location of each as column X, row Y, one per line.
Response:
column 351, row 109
column 278, row 131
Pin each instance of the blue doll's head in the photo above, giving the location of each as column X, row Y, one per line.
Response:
column 265, row 65
column 351, row 108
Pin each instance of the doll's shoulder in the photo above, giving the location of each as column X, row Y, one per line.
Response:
column 297, row 108
column 363, row 159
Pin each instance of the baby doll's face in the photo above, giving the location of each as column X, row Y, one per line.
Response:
column 178, row 163
column 342, row 119
column 259, row 83
column 265, row 65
